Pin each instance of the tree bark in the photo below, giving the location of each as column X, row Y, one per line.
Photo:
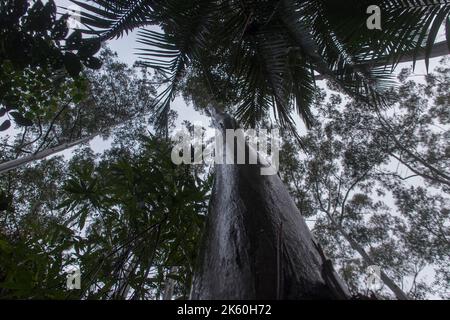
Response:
column 13, row 164
column 256, row 244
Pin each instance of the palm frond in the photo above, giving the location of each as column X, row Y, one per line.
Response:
column 170, row 52
column 108, row 19
column 266, row 52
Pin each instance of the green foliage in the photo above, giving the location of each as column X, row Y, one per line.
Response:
column 33, row 239
column 267, row 52
column 128, row 220
column 131, row 219
column 31, row 265
column 34, row 58
column 115, row 96
column 380, row 180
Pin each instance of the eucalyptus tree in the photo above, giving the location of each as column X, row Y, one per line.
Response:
column 253, row 58
column 40, row 62
column 114, row 95
column 370, row 201
column 39, row 56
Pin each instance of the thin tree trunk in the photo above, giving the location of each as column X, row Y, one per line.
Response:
column 170, row 285
column 121, row 293
column 436, row 174
column 368, row 260
column 13, row 164
column 256, row 244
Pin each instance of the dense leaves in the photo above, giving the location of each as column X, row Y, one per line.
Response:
column 129, row 220
column 36, row 51
column 103, row 100
column 268, row 52
column 374, row 186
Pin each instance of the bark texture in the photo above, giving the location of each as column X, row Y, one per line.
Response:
column 256, row 244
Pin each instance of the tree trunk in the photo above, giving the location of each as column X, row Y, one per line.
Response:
column 368, row 260
column 170, row 285
column 256, row 244
column 13, row 164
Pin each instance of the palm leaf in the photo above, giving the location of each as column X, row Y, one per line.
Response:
column 108, row 19
column 267, row 52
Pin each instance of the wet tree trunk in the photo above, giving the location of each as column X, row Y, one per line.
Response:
column 256, row 244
